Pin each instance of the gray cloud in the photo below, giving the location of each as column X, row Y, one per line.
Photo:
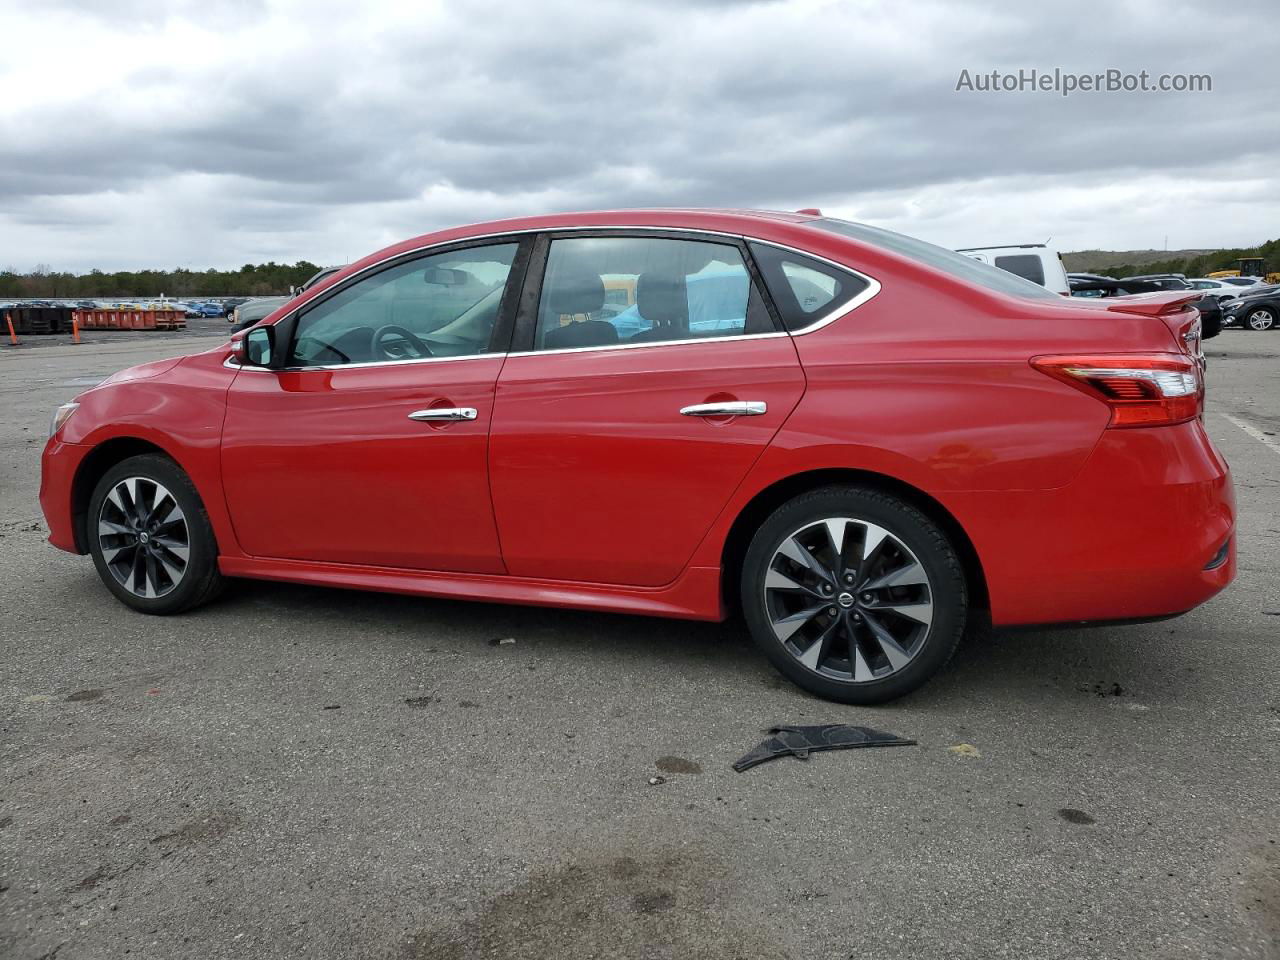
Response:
column 322, row 130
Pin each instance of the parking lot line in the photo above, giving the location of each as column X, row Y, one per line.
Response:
column 1254, row 432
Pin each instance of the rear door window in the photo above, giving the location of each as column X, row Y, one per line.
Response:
column 605, row 291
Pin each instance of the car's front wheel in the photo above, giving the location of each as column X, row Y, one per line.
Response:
column 853, row 594
column 150, row 537
column 1263, row 318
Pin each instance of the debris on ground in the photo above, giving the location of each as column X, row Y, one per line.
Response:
column 1103, row 689
column 677, row 765
column 501, row 641
column 799, row 742
column 418, row 701
column 1072, row 815
column 965, row 750
column 657, row 781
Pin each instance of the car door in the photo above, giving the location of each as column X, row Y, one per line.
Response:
column 618, row 437
column 369, row 446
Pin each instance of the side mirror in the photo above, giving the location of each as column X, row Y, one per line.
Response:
column 259, row 346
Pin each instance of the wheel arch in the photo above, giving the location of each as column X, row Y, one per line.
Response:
column 95, row 464
column 773, row 496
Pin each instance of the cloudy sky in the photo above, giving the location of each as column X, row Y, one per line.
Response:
column 138, row 133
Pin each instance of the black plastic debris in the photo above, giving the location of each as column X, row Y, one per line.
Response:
column 799, row 742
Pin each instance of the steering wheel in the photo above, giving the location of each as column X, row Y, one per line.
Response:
column 394, row 342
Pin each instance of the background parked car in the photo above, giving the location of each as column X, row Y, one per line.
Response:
column 1211, row 312
column 1163, row 281
column 250, row 312
column 1257, row 310
column 230, row 303
column 1031, row 261
column 1215, row 288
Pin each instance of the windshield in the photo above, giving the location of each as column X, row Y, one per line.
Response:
column 939, row 258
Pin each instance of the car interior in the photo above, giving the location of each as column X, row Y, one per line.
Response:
column 447, row 305
column 678, row 289
column 443, row 306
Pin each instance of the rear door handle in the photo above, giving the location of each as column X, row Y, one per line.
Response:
column 444, row 413
column 733, row 408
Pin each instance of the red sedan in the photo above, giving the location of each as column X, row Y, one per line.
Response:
column 861, row 442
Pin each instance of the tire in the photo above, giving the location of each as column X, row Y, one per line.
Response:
column 147, row 505
column 904, row 605
column 1260, row 319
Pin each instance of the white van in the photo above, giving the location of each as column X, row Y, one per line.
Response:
column 1031, row 261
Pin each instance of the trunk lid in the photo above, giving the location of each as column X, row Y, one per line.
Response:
column 1173, row 309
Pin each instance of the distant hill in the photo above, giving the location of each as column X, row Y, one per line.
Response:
column 1100, row 261
column 1123, row 263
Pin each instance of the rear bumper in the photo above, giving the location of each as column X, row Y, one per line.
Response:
column 58, row 466
column 1145, row 530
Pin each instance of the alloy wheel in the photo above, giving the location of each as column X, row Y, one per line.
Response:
column 1261, row 320
column 144, row 537
column 848, row 599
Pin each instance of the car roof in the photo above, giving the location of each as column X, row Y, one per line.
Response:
column 737, row 222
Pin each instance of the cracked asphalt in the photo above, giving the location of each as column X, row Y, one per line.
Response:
column 298, row 772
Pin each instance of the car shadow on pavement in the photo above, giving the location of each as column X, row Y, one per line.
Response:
column 1017, row 667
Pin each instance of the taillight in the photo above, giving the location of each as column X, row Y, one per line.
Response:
column 1142, row 390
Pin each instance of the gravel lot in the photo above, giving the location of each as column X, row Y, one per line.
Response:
column 295, row 772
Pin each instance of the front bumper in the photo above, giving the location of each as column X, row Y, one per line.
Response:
column 1138, row 534
column 58, row 466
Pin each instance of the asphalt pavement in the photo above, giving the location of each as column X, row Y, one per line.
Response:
column 300, row 772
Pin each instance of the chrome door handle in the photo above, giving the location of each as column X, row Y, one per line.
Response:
column 444, row 413
column 735, row 408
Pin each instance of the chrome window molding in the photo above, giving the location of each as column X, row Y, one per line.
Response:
column 656, row 343
column 364, row 363
column 873, row 288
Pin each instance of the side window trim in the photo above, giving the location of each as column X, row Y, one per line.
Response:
column 499, row 338
column 527, row 316
column 526, row 322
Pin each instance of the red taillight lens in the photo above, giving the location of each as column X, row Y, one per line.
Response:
column 1142, row 390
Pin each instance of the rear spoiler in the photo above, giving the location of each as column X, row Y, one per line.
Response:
column 1153, row 304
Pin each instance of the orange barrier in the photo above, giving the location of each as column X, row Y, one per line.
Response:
column 13, row 337
column 122, row 319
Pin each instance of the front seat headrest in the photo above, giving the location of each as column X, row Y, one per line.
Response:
column 572, row 292
column 663, row 299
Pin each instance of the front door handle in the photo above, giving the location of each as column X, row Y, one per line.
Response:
column 732, row 408
column 444, row 413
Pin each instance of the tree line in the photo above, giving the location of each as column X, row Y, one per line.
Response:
column 1201, row 265
column 251, row 280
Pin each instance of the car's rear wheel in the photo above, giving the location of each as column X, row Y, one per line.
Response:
column 1263, row 318
column 150, row 537
column 853, row 594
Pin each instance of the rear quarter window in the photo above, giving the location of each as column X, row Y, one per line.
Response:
column 803, row 289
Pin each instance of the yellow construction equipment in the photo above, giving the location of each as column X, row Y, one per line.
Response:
column 1248, row 267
